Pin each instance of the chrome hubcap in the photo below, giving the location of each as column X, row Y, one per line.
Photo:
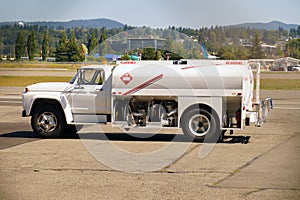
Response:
column 47, row 122
column 199, row 125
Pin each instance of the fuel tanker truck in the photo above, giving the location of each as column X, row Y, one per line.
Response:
column 203, row 98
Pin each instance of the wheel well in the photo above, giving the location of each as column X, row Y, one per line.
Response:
column 200, row 106
column 45, row 102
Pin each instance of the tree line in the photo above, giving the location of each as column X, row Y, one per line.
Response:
column 71, row 44
column 65, row 48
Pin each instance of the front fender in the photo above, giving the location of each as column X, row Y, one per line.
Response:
column 67, row 109
column 30, row 100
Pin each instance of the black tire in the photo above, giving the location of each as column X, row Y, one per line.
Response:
column 48, row 121
column 201, row 125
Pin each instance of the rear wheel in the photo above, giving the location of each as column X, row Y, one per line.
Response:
column 48, row 121
column 201, row 124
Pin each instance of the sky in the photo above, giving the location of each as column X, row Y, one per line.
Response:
column 154, row 13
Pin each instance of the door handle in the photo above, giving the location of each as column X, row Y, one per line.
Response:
column 78, row 87
column 99, row 89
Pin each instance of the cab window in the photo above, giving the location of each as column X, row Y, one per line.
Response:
column 91, row 77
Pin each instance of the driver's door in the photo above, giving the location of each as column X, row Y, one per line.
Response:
column 88, row 96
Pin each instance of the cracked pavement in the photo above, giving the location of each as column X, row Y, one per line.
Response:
column 266, row 167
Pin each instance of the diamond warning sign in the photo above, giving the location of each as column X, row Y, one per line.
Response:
column 126, row 78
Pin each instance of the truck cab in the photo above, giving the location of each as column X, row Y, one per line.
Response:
column 56, row 107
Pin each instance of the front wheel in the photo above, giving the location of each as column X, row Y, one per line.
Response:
column 48, row 121
column 201, row 125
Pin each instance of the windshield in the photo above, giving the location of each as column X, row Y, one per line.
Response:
column 74, row 78
column 89, row 77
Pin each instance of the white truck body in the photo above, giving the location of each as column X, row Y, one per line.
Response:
column 201, row 97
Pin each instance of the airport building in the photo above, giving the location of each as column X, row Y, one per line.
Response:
column 286, row 64
column 141, row 43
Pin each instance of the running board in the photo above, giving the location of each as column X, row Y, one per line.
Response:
column 89, row 119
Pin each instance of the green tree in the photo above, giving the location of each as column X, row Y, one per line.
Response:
column 256, row 50
column 20, row 47
column 179, row 49
column 270, row 37
column 158, row 55
column 227, row 53
column 148, row 54
column 74, row 51
column 103, row 45
column 293, row 32
column 242, row 53
column 125, row 57
column 31, row 45
column 103, row 36
column 278, row 51
column 45, row 46
column 282, row 32
column 212, row 40
column 293, row 47
column 168, row 44
column 92, row 43
column 61, row 50
column 194, row 53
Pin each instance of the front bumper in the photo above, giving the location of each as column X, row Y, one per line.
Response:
column 263, row 108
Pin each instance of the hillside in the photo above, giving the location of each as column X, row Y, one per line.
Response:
column 110, row 24
column 274, row 25
column 87, row 23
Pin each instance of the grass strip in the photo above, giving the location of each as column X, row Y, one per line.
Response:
column 279, row 84
column 40, row 65
column 28, row 80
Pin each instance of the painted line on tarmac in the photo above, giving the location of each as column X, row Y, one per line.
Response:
column 1, row 101
column 286, row 108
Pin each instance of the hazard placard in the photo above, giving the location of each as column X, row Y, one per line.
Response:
column 126, row 78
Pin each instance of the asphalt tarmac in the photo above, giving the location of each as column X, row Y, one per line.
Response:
column 256, row 163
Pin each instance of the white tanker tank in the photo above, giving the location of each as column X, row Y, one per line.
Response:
column 183, row 80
